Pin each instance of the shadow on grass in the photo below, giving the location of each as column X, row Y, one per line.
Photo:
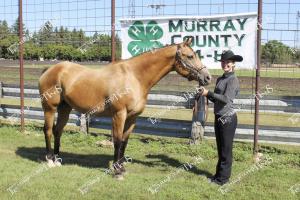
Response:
column 37, row 154
column 177, row 164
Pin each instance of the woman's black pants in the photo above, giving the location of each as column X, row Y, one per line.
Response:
column 224, row 130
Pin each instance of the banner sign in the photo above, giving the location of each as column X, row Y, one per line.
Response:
column 211, row 36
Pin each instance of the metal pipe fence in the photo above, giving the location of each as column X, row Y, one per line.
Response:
column 89, row 31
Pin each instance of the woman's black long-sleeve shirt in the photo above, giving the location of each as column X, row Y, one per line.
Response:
column 226, row 90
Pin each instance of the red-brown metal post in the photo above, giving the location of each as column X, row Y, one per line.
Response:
column 21, row 61
column 257, row 95
column 113, row 39
column 21, row 65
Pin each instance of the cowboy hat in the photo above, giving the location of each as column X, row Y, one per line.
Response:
column 229, row 55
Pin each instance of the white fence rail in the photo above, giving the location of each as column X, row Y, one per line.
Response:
column 166, row 127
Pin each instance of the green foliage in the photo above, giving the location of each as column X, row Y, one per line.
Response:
column 277, row 52
column 7, row 38
column 56, row 43
column 63, row 44
column 32, row 51
column 15, row 28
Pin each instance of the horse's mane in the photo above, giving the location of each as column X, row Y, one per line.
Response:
column 45, row 69
column 144, row 53
column 150, row 51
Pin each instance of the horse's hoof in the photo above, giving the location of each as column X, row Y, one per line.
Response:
column 50, row 164
column 57, row 161
column 119, row 177
column 49, row 161
column 123, row 171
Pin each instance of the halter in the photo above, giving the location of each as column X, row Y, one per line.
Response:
column 193, row 71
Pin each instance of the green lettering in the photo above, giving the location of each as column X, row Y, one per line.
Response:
column 173, row 27
column 242, row 23
column 225, row 39
column 198, row 52
column 216, row 24
column 173, row 38
column 186, row 26
column 203, row 43
column 212, row 40
column 239, row 39
column 229, row 25
column 201, row 24
column 217, row 56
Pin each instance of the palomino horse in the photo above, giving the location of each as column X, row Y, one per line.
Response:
column 85, row 89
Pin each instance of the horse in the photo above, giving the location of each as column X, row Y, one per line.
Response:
column 118, row 90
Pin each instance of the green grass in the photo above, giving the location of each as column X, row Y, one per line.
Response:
column 154, row 158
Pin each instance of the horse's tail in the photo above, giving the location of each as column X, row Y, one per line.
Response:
column 45, row 69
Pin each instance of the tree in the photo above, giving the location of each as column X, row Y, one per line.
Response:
column 4, row 29
column 15, row 27
column 45, row 34
column 277, row 52
column 118, row 47
column 6, row 40
column 74, row 38
column 56, row 43
column 296, row 54
column 34, row 38
column 32, row 51
column 81, row 37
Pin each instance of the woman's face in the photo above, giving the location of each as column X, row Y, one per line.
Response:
column 227, row 65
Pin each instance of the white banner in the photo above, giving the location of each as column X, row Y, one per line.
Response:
column 211, row 35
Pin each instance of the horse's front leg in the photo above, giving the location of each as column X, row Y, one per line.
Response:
column 118, row 121
column 129, row 126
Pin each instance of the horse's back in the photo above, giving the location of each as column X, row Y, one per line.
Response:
column 60, row 72
column 58, row 76
column 83, row 88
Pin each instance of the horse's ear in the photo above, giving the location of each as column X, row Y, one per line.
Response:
column 188, row 41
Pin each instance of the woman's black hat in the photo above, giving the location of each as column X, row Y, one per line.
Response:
column 229, row 55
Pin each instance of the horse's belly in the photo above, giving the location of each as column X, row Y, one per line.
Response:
column 86, row 105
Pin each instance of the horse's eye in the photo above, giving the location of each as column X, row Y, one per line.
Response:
column 189, row 56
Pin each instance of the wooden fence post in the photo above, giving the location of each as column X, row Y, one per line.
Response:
column 84, row 123
column 1, row 90
column 87, row 123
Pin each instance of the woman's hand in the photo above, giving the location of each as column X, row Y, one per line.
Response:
column 204, row 91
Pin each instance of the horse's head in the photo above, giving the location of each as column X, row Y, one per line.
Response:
column 189, row 65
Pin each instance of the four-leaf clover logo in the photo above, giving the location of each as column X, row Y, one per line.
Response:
column 145, row 38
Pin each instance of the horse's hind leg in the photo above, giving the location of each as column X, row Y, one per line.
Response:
column 63, row 116
column 49, row 114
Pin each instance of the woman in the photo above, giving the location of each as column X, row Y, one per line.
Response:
column 226, row 90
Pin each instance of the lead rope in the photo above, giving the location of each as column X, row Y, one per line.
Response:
column 206, row 109
column 197, row 130
column 196, row 109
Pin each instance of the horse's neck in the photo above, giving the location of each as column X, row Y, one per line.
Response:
column 153, row 66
